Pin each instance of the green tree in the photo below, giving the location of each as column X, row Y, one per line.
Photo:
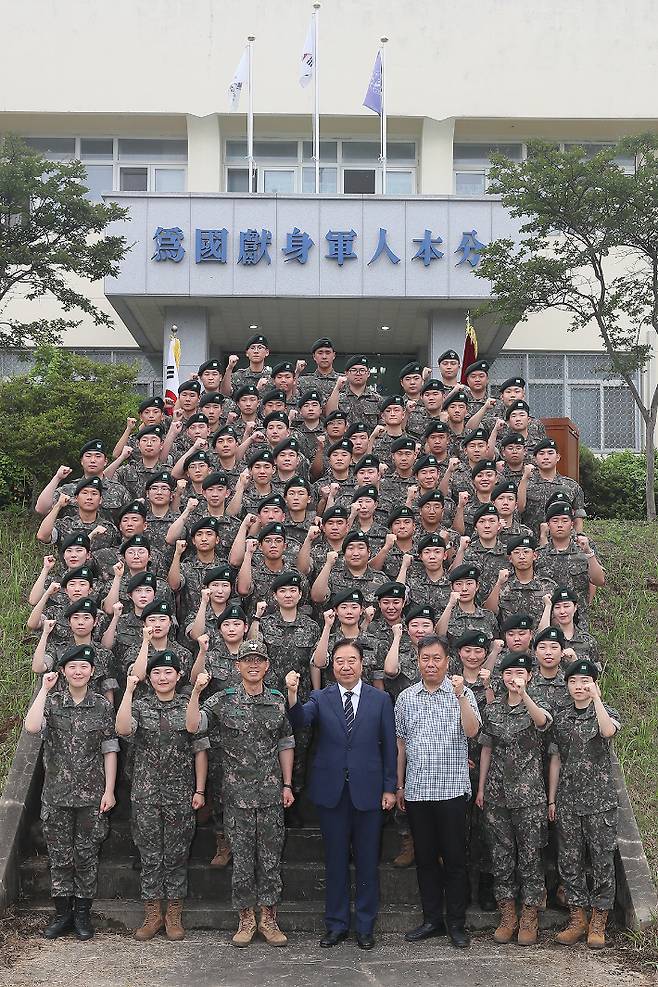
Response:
column 589, row 247
column 49, row 230
column 64, row 400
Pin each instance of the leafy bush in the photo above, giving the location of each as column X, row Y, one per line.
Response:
column 614, row 485
column 64, row 400
column 14, row 483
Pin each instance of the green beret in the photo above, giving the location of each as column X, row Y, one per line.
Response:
column 154, row 402
column 581, row 666
column 142, row 579
column 348, row 596
column 473, row 639
column 274, row 528
column 420, row 610
column 431, row 541
column 77, row 652
column 89, row 481
column 205, row 522
column 159, row 607
column 164, row 476
column 84, row 605
column 356, row 361
column 465, row 571
column 94, row 445
column 135, row 541
column 163, row 659
column 391, row 589
column 80, row 572
column 232, row 612
column 219, row 573
column 290, row 578
column 134, row 507
column 516, row 659
column 549, row 634
column 521, row 541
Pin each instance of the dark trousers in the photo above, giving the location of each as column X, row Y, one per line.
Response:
column 343, row 827
column 439, row 830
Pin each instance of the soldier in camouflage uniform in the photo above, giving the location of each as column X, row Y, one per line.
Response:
column 257, row 350
column 424, row 574
column 168, row 785
column 511, row 792
column 86, row 517
column 324, row 377
column 75, row 550
column 80, row 760
column 134, row 466
column 517, row 416
column 546, row 481
column 264, row 559
column 308, row 427
column 564, row 614
column 81, row 616
column 300, row 510
column 514, row 454
column 353, row 571
column 393, row 415
column 158, row 620
column 151, row 412
column 93, row 461
column 394, row 487
column 186, row 576
column 522, row 589
column 567, row 560
column 462, row 612
column 290, row 638
column 485, row 551
column 401, row 660
column 472, row 648
column 359, row 401
column 75, row 584
column 422, row 414
column 365, row 499
column 345, row 620
column 126, row 633
column 257, row 748
column 583, row 802
column 505, row 498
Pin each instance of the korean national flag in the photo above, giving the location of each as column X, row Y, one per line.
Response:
column 373, row 97
column 239, row 80
column 307, row 64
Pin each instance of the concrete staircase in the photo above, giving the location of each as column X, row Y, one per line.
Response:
column 208, row 905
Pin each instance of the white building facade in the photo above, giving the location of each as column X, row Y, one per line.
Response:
column 139, row 93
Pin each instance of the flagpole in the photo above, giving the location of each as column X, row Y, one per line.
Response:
column 383, row 120
column 316, row 84
column 250, row 113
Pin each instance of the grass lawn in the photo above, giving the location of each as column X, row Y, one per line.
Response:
column 625, row 620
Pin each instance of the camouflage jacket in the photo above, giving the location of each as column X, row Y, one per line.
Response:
column 315, row 381
column 586, row 775
column 461, row 622
column 489, row 561
column 289, row 646
column 75, row 738
column 360, row 408
column 133, row 474
column 515, row 778
column 115, row 496
column 516, row 597
column 342, row 579
column 163, row 772
column 372, row 669
column 251, row 731
column 567, row 568
column 540, row 491
column 66, row 525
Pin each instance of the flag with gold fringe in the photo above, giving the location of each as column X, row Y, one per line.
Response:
column 470, row 346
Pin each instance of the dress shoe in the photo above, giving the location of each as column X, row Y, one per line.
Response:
column 459, row 937
column 332, row 937
column 426, row 931
column 365, row 941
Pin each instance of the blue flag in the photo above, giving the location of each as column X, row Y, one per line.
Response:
column 373, row 97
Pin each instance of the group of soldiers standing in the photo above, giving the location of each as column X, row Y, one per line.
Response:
column 272, row 513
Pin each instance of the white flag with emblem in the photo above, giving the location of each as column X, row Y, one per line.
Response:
column 307, row 66
column 239, row 80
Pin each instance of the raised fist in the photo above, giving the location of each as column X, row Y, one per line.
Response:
column 397, row 630
column 485, row 676
column 181, row 545
column 49, row 680
column 340, row 383
column 63, row 500
column 205, row 595
column 117, row 609
column 191, row 504
column 458, row 684
column 49, row 562
column 48, row 626
column 292, row 681
column 261, row 607
column 251, row 546
column 391, row 540
column 454, row 598
column 329, row 617
column 503, row 577
column 63, row 472
column 233, row 361
column 262, row 383
column 300, row 366
column 131, row 422
column 332, row 558
column 126, row 452
column 118, row 568
column 131, row 684
column 313, row 532
column 202, row 680
column 463, row 498
column 203, row 641
column 464, row 542
column 53, row 589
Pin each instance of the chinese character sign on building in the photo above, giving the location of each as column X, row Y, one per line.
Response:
column 213, row 246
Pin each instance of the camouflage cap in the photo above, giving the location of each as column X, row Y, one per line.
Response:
column 255, row 646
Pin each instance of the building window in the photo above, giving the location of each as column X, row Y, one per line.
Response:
column 121, row 164
column 472, row 162
column 577, row 386
column 348, row 166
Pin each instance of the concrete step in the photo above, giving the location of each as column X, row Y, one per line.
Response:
column 294, row 916
column 302, row 881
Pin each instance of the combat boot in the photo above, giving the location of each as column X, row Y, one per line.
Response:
column 596, row 934
column 223, row 853
column 63, row 920
column 173, row 921
column 406, row 856
column 575, row 930
column 246, row 927
column 528, row 926
column 153, row 921
column 82, row 919
column 509, row 922
column 269, row 928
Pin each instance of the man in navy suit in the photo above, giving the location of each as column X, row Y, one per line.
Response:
column 353, row 778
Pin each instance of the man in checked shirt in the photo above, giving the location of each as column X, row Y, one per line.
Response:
column 434, row 786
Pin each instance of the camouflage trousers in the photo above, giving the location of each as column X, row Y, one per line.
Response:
column 73, row 837
column 215, row 782
column 163, row 835
column 515, row 838
column 477, row 845
column 596, row 834
column 302, row 743
column 256, row 837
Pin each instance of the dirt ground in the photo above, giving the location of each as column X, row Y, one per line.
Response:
column 207, row 959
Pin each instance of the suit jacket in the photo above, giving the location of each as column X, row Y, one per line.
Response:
column 367, row 759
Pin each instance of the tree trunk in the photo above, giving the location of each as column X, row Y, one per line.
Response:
column 651, row 469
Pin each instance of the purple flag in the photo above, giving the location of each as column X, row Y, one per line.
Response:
column 373, row 97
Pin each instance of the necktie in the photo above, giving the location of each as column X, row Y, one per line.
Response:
column 349, row 712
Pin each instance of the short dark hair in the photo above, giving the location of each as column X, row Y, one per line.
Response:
column 430, row 640
column 353, row 644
